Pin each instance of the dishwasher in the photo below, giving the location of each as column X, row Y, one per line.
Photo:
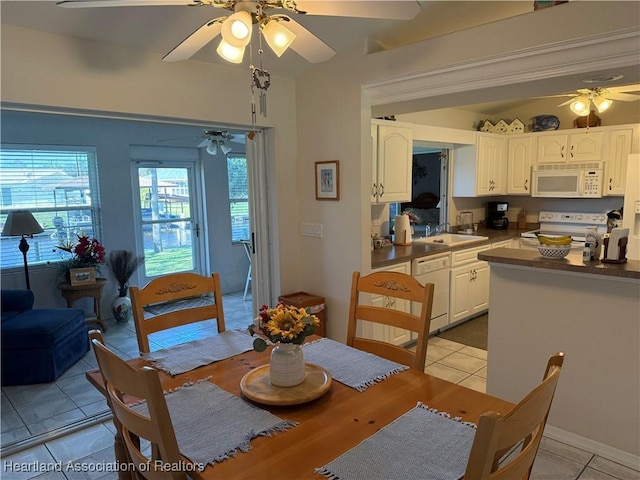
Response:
column 434, row 269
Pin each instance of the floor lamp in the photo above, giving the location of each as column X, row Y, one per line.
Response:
column 22, row 223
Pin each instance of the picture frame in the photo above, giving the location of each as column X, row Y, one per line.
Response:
column 327, row 180
column 82, row 276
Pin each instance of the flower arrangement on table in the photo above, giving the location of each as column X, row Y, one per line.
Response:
column 87, row 252
column 284, row 324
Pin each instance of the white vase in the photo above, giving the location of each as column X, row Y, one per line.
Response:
column 286, row 368
column 121, row 309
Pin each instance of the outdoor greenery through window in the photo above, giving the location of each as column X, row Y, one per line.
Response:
column 59, row 186
column 238, row 197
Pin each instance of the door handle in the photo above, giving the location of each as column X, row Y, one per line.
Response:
column 526, row 180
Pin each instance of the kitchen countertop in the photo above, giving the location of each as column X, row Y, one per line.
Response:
column 571, row 263
column 382, row 257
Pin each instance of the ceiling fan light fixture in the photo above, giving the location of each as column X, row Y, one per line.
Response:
column 277, row 36
column 225, row 148
column 602, row 103
column 229, row 52
column 212, row 148
column 580, row 106
column 236, row 29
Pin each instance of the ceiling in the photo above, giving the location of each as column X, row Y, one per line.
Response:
column 159, row 29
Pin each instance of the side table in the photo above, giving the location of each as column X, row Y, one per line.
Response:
column 72, row 293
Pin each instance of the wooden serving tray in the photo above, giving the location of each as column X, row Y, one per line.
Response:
column 256, row 386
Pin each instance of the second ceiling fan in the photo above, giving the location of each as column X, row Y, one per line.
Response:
column 280, row 31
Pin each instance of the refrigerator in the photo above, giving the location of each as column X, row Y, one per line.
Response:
column 631, row 211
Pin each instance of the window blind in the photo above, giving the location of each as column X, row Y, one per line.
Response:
column 59, row 186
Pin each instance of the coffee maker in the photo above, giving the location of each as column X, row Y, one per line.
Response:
column 496, row 218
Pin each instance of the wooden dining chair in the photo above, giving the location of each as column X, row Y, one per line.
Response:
column 522, row 427
column 118, row 444
column 162, row 295
column 124, row 383
column 386, row 288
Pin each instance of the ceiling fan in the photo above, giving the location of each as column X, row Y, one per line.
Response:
column 601, row 98
column 280, row 31
column 213, row 141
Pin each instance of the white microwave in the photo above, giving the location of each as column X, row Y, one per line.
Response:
column 567, row 180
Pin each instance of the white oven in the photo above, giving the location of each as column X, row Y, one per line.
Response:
column 567, row 180
column 564, row 223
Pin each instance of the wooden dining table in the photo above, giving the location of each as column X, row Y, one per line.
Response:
column 327, row 426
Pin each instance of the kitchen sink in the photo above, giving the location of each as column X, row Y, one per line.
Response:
column 450, row 239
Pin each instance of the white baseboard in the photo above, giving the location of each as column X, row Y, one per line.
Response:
column 615, row 455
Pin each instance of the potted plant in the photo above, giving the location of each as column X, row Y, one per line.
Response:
column 88, row 252
column 123, row 264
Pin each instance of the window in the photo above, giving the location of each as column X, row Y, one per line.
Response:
column 59, row 186
column 238, row 197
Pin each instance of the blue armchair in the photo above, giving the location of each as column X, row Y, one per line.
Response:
column 38, row 345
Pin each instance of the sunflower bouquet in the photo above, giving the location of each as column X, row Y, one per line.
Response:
column 284, row 324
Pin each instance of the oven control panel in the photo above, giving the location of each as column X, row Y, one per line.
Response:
column 598, row 218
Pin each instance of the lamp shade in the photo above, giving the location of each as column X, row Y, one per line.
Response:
column 602, row 103
column 277, row 36
column 236, row 30
column 580, row 106
column 225, row 148
column 229, row 52
column 212, row 148
column 21, row 222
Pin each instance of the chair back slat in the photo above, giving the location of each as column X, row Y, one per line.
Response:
column 522, row 427
column 173, row 288
column 123, row 382
column 392, row 286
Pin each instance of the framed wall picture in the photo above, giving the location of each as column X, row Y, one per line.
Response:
column 82, row 276
column 327, row 180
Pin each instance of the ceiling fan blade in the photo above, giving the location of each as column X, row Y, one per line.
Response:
column 625, row 97
column 306, row 44
column 396, row 10
column 195, row 41
column 566, row 103
column 123, row 3
column 624, row 88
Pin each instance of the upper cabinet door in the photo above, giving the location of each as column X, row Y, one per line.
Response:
column 374, row 163
column 519, row 161
column 492, row 165
column 584, row 147
column 552, row 148
column 395, row 153
column 616, row 164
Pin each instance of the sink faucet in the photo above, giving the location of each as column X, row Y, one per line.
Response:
column 442, row 228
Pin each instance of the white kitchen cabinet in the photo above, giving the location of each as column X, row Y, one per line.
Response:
column 385, row 333
column 502, row 244
column 519, row 161
column 481, row 169
column 615, row 167
column 391, row 163
column 573, row 147
column 469, row 284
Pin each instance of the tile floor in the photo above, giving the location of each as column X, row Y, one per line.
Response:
column 93, row 446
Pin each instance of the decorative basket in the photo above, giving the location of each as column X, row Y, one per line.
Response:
column 554, row 251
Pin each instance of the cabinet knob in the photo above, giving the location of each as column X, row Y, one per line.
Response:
column 525, row 184
column 381, row 190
